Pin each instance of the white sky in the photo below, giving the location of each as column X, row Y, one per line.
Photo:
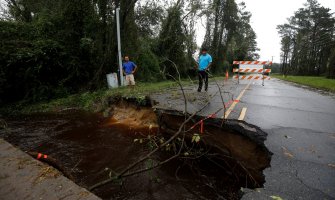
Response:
column 266, row 15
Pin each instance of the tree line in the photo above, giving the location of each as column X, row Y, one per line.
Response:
column 53, row 48
column 308, row 42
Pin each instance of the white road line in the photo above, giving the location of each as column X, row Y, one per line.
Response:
column 231, row 108
column 242, row 115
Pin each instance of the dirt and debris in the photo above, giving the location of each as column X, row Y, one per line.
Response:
column 46, row 172
column 287, row 153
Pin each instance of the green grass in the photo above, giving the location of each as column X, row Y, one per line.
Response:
column 318, row 82
column 90, row 101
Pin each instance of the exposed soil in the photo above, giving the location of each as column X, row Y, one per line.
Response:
column 132, row 115
column 89, row 147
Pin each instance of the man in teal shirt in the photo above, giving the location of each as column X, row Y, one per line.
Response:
column 204, row 62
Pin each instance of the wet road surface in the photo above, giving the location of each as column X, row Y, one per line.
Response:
column 301, row 127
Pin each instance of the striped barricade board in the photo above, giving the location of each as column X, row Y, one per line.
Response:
column 252, row 70
column 251, row 77
column 252, row 63
column 250, row 67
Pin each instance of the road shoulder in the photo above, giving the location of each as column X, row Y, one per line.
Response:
column 23, row 177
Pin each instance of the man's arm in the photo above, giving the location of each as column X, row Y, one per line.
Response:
column 210, row 62
column 209, row 65
column 135, row 68
column 197, row 64
column 123, row 70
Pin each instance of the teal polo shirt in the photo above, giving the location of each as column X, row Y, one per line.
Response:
column 204, row 61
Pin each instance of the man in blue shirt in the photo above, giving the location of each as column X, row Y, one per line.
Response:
column 204, row 62
column 129, row 69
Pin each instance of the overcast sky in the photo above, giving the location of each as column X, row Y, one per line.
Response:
column 266, row 15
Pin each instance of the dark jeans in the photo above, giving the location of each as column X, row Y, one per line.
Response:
column 203, row 76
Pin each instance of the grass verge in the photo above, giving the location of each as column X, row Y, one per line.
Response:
column 318, row 82
column 90, row 101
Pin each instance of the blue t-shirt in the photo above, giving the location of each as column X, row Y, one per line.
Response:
column 204, row 61
column 128, row 67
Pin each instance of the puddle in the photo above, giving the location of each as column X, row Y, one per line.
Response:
column 88, row 146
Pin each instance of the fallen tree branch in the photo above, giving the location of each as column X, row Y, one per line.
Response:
column 126, row 172
column 160, row 163
column 180, row 130
column 224, row 105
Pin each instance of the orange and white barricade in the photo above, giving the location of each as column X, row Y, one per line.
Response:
column 255, row 67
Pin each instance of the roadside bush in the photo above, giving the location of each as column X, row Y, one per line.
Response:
column 148, row 66
column 37, row 67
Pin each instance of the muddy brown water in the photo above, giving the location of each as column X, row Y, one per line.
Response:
column 88, row 147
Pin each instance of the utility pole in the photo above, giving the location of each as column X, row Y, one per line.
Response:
column 119, row 46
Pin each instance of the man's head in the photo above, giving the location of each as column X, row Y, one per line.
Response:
column 203, row 51
column 126, row 58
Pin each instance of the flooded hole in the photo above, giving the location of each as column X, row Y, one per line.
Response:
column 236, row 147
column 88, row 148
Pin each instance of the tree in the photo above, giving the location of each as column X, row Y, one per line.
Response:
column 307, row 40
column 171, row 44
column 59, row 47
column 229, row 35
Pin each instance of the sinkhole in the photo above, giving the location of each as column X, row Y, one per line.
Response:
column 89, row 148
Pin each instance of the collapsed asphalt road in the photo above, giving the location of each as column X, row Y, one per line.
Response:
column 301, row 127
column 299, row 122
